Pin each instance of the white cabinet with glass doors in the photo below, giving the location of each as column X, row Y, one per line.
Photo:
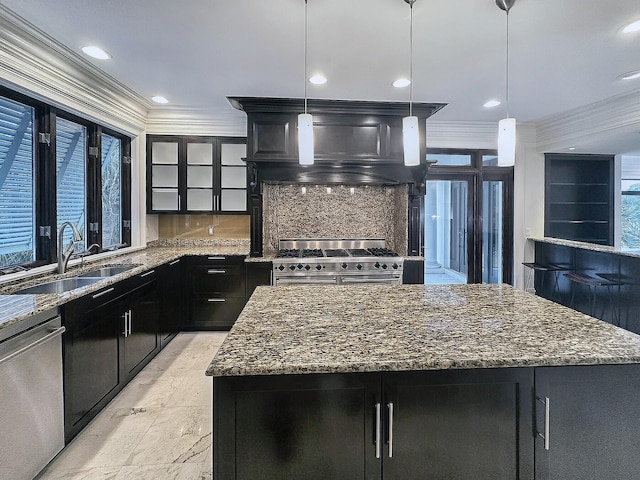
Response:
column 196, row 174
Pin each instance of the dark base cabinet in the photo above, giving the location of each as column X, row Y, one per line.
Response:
column 216, row 291
column 594, row 422
column 171, row 293
column 111, row 335
column 415, row 425
column 413, row 271
column 258, row 273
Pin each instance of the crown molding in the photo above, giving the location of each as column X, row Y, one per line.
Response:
column 462, row 134
column 196, row 121
column 35, row 63
column 620, row 113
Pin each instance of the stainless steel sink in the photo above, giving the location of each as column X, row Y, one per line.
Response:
column 58, row 286
column 108, row 271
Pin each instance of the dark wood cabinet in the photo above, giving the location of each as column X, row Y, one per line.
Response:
column 458, row 424
column 579, row 197
column 216, row 291
column 593, row 422
column 111, row 335
column 187, row 174
column 171, row 293
column 258, row 273
column 314, row 427
column 396, row 425
column 413, row 271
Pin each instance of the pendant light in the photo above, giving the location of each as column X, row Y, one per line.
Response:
column 410, row 129
column 305, row 120
column 506, row 126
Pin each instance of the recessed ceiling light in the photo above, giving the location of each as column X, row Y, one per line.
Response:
column 318, row 80
column 402, row 82
column 572, row 148
column 491, row 104
column 629, row 75
column 96, row 52
column 159, row 99
column 632, row 27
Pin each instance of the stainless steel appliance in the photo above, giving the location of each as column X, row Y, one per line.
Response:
column 31, row 408
column 336, row 261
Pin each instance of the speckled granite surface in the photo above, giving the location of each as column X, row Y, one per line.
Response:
column 15, row 308
column 587, row 246
column 333, row 329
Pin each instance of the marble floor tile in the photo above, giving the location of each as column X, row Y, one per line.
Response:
column 159, row 425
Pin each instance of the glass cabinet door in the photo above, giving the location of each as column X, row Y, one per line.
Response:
column 164, row 176
column 233, row 177
column 200, row 177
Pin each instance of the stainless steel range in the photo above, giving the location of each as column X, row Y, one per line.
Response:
column 336, row 261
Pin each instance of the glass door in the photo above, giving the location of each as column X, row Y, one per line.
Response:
column 446, row 231
column 492, row 231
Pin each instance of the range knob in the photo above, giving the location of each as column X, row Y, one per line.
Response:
column 344, row 265
column 300, row 266
column 318, row 267
column 281, row 267
column 292, row 267
column 377, row 265
column 307, row 267
column 395, row 266
column 359, row 267
column 384, row 266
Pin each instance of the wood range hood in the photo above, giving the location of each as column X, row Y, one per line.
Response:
column 356, row 143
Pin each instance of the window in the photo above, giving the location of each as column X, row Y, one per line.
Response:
column 630, row 208
column 71, row 191
column 111, row 173
column 80, row 174
column 17, row 216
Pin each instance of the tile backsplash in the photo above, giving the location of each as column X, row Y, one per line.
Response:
column 335, row 211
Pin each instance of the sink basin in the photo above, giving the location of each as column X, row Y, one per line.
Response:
column 108, row 271
column 58, row 286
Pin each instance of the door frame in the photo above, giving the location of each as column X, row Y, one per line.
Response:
column 475, row 174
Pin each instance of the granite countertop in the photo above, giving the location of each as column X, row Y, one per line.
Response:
column 15, row 308
column 340, row 329
column 586, row 246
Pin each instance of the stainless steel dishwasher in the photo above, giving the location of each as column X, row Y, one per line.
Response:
column 31, row 408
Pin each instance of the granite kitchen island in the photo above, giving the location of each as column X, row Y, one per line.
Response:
column 414, row 381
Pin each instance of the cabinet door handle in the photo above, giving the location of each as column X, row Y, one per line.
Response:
column 216, row 258
column 215, row 300
column 547, row 410
column 390, row 407
column 130, row 321
column 378, row 430
column 212, row 272
column 174, row 262
column 179, row 202
column 125, row 317
column 99, row 294
column 142, row 275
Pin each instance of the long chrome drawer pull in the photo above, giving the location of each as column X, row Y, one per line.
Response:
column 545, row 435
column 215, row 300
column 216, row 258
column 378, row 430
column 142, row 275
column 174, row 262
column 211, row 272
column 125, row 317
column 390, row 407
column 40, row 341
column 99, row 294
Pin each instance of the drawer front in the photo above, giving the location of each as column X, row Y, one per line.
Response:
column 214, row 312
column 223, row 279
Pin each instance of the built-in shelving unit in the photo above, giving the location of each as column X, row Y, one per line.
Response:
column 579, row 197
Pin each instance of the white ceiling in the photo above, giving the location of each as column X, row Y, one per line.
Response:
column 564, row 53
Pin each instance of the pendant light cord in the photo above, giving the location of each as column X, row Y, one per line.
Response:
column 507, row 73
column 306, row 2
column 411, row 59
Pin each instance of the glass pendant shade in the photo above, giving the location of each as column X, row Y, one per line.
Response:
column 507, row 142
column 305, row 139
column 411, row 141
